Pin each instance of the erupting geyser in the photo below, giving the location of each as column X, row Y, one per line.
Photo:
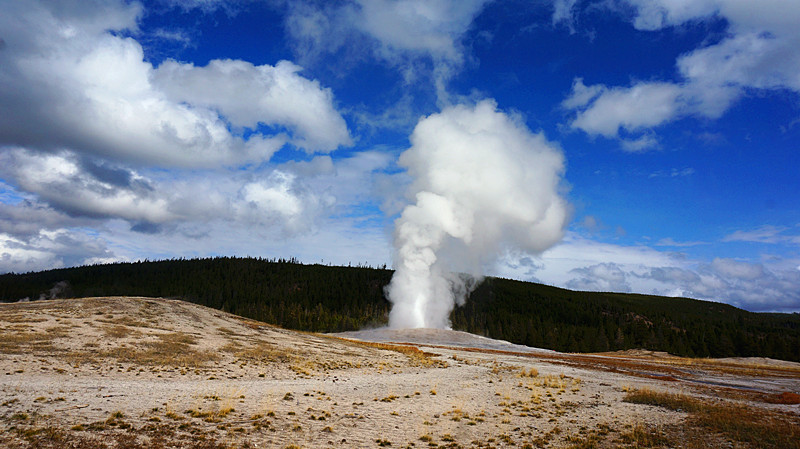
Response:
column 482, row 183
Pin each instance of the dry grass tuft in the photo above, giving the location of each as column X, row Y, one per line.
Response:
column 261, row 352
column 786, row 397
column 671, row 401
column 641, row 436
column 416, row 356
column 169, row 349
column 758, row 427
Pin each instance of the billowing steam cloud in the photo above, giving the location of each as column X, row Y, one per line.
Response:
column 483, row 183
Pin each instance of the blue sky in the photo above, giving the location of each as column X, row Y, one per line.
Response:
column 667, row 134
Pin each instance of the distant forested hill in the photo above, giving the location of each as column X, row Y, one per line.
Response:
column 332, row 299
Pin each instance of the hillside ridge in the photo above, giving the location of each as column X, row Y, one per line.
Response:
column 339, row 299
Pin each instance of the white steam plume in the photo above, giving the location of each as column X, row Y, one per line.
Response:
column 483, row 183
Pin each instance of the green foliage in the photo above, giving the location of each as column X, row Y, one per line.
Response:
column 565, row 320
column 333, row 299
column 306, row 297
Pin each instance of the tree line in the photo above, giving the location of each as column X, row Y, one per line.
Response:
column 322, row 298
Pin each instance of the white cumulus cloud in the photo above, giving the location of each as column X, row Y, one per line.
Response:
column 69, row 82
column 602, row 277
column 420, row 37
column 431, row 27
column 51, row 249
column 68, row 184
column 248, row 95
column 759, row 52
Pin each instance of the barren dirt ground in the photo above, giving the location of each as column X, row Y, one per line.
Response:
column 157, row 373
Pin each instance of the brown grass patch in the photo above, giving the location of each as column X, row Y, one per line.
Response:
column 23, row 342
column 416, row 356
column 22, row 318
column 129, row 321
column 261, row 352
column 757, row 427
column 149, row 437
column 744, row 368
column 120, row 331
column 741, row 367
column 786, row 397
column 19, row 340
column 170, row 349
